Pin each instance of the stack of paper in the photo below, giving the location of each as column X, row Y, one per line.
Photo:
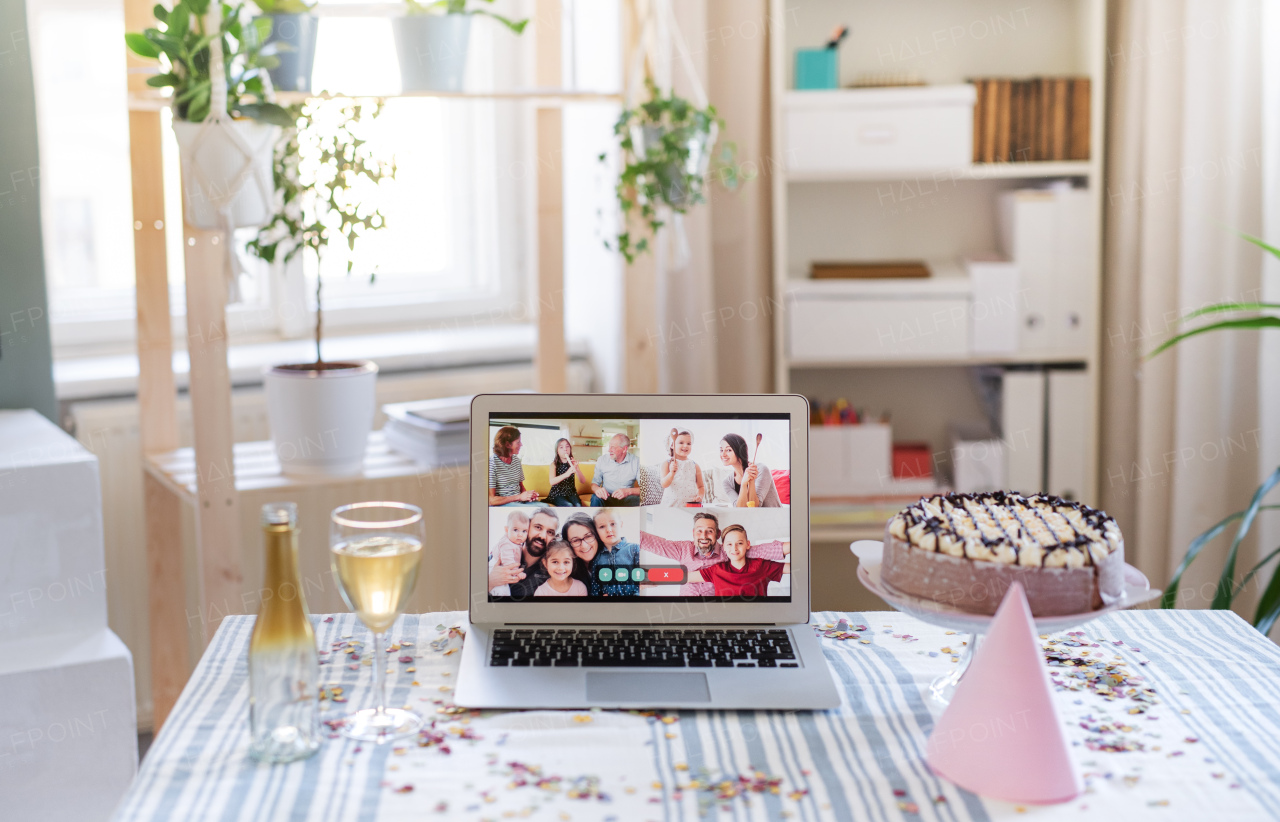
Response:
column 432, row 432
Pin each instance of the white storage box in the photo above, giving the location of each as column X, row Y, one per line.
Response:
column 68, row 731
column 878, row 131
column 838, row 321
column 850, row 460
column 52, row 570
column 1050, row 234
column 997, row 305
column 978, row 460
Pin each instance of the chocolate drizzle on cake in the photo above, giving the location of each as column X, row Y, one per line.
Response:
column 1002, row 527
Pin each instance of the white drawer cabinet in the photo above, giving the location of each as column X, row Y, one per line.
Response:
column 878, row 131
column 842, row 321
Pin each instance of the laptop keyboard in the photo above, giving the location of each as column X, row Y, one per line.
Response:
column 634, row 648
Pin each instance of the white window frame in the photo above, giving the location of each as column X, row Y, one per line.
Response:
column 497, row 245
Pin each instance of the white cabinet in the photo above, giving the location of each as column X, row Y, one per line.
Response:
column 879, row 130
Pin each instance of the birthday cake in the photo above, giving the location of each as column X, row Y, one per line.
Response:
column 965, row 550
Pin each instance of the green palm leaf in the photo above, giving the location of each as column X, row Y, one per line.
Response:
column 1269, row 605
column 1218, row 308
column 1270, row 249
column 1170, row 598
column 1245, row 323
column 1254, row 571
column 1222, row 599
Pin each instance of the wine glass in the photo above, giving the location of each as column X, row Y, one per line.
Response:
column 376, row 550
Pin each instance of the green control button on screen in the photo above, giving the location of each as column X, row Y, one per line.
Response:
column 621, row 575
column 606, row 574
column 637, row 575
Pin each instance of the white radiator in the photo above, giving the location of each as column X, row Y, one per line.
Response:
column 109, row 428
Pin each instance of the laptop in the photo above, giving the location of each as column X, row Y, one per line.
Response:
column 648, row 572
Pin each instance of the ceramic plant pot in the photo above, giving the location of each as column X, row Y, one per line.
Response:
column 321, row 416
column 432, row 49
column 672, row 178
column 296, row 36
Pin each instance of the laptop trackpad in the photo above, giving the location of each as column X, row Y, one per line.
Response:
column 648, row 688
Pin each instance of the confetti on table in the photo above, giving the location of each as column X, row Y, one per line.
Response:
column 840, row 630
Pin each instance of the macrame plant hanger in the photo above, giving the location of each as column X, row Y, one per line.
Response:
column 219, row 128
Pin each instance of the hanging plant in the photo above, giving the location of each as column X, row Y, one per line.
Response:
column 320, row 168
column 181, row 44
column 667, row 146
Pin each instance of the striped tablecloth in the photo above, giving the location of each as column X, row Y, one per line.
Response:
column 1192, row 732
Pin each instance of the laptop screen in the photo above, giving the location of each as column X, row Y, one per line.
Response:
column 639, row 508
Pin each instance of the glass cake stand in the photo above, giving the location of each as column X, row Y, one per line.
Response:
column 1137, row 590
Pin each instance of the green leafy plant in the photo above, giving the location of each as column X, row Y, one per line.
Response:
column 284, row 6
column 1227, row 588
column 460, row 7
column 666, row 144
column 182, row 45
column 324, row 173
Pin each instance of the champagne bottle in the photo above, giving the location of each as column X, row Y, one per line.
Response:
column 284, row 668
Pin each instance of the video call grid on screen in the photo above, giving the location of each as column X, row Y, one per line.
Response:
column 651, row 543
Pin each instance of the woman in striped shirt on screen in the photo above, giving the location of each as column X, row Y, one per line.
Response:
column 506, row 473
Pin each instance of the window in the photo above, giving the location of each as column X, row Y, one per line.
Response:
column 84, row 158
column 455, row 226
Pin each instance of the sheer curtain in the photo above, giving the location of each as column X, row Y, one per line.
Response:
column 1182, row 434
column 716, row 317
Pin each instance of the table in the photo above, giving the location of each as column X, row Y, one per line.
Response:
column 1191, row 730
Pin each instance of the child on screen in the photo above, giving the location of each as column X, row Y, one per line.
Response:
column 510, row 549
column 559, row 561
column 739, row 575
column 681, row 477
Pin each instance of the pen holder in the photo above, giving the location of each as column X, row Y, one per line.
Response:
column 817, row 69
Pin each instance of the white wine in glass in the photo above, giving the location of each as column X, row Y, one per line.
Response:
column 376, row 549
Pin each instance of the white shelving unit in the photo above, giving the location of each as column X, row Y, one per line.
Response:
column 927, row 213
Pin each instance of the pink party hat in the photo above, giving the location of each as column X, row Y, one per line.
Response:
column 1000, row 737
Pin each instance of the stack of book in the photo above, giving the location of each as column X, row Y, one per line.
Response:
column 1036, row 120
column 433, row 432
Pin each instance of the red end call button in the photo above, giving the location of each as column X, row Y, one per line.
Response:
column 666, row 574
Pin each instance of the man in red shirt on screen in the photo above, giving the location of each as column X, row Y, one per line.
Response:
column 739, row 575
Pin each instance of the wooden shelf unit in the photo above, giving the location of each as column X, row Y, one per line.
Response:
column 1058, row 37
column 149, row 99
column 220, row 484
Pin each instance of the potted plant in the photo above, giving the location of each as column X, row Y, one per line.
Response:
column 321, row 412
column 1243, row 316
column 431, row 42
column 293, row 32
column 667, row 146
column 226, row 171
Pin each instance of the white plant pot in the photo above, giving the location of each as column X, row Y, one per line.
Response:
column 697, row 165
column 216, row 174
column 432, row 50
column 320, row 420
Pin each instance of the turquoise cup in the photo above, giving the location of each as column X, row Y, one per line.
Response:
column 817, row 69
